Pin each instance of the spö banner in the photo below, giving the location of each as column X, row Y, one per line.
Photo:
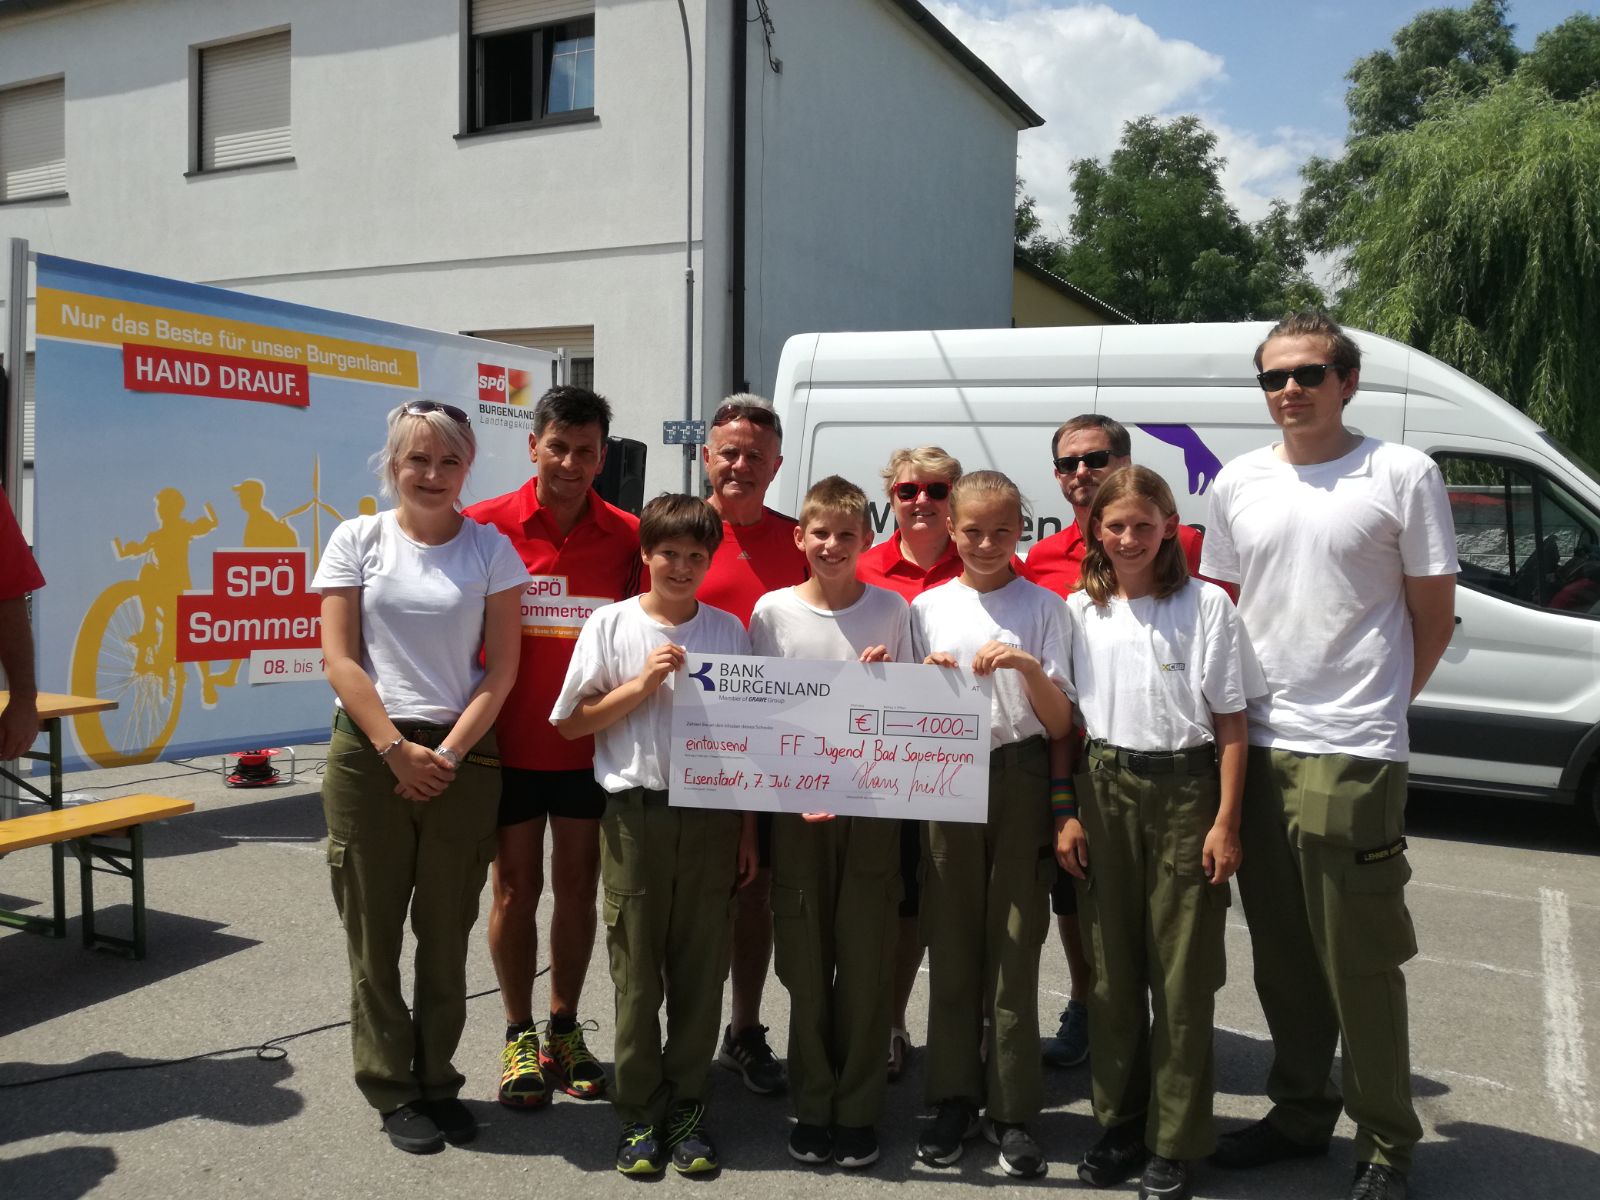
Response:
column 195, row 449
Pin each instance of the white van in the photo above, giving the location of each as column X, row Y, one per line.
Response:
column 1514, row 708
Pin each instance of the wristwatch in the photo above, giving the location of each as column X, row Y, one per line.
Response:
column 450, row 756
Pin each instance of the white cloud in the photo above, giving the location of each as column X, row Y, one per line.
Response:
column 1088, row 69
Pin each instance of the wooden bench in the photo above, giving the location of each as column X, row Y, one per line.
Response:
column 86, row 829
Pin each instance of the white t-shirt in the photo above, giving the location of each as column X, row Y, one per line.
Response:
column 1321, row 554
column 785, row 626
column 957, row 620
column 612, row 649
column 1147, row 674
column 421, row 608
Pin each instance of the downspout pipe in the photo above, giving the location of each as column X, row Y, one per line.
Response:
column 736, row 237
column 688, row 247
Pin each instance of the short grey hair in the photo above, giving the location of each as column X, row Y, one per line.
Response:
column 457, row 438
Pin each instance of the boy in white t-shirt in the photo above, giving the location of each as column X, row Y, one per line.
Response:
column 835, row 880
column 1344, row 553
column 669, row 874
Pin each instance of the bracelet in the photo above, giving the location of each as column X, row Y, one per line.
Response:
column 1063, row 799
column 450, row 756
column 384, row 751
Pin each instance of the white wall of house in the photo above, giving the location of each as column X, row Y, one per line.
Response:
column 879, row 192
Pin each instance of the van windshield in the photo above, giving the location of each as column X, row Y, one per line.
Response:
column 1570, row 455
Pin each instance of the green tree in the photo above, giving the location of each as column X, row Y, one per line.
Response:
column 1031, row 240
column 1154, row 235
column 1477, row 240
column 1565, row 61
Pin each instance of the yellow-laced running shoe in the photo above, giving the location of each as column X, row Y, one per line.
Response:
column 566, row 1059
column 522, row 1082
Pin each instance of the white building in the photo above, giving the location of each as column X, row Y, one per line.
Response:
column 519, row 168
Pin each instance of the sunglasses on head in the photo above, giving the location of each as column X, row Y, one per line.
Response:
column 910, row 491
column 1307, row 375
column 421, row 408
column 1094, row 460
column 753, row 413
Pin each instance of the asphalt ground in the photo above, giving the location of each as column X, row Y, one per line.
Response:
column 245, row 948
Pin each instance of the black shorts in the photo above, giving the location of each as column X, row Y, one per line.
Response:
column 1063, row 896
column 526, row 795
column 910, row 868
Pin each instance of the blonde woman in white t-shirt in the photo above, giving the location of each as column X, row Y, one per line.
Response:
column 1158, row 678
column 420, row 630
column 986, row 886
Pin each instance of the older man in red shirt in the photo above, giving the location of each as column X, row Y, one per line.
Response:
column 19, row 575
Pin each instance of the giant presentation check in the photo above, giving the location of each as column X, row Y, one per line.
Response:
column 854, row 739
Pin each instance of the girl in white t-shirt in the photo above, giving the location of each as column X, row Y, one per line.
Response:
column 1159, row 679
column 420, row 631
column 986, row 886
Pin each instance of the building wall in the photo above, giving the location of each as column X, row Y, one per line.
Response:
column 1034, row 303
column 880, row 181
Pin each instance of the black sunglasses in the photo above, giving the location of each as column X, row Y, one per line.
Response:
column 1307, row 375
column 909, row 491
column 1094, row 460
column 753, row 413
column 421, row 408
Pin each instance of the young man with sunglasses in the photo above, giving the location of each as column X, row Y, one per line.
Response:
column 581, row 553
column 743, row 450
column 1344, row 552
column 1084, row 450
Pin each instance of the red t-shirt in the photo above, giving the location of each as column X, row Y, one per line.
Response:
column 752, row 561
column 596, row 563
column 1057, row 561
column 884, row 566
column 19, row 574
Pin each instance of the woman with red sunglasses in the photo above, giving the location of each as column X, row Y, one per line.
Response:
column 917, row 556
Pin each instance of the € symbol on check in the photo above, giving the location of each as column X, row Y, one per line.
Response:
column 864, row 721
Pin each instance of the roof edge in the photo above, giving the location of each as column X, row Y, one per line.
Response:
column 1052, row 280
column 959, row 50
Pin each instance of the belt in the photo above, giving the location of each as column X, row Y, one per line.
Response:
column 1014, row 752
column 1196, row 760
column 424, row 733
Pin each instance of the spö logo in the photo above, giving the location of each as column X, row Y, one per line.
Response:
column 502, row 385
column 704, row 676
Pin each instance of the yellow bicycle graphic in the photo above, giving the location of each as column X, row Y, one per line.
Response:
column 126, row 648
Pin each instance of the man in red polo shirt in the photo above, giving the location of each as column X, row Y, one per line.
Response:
column 1085, row 450
column 581, row 553
column 758, row 554
column 19, row 575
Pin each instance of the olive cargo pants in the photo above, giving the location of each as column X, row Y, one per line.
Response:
column 388, row 856
column 1323, row 885
column 835, row 899
column 985, row 911
column 1155, row 927
column 669, row 876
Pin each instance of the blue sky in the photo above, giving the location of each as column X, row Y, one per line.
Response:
column 1266, row 75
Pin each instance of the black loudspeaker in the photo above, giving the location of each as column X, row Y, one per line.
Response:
column 621, row 480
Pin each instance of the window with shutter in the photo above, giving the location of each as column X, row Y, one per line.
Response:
column 33, row 140
column 531, row 62
column 244, row 103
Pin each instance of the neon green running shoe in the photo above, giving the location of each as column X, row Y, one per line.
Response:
column 639, row 1151
column 693, row 1151
column 567, row 1061
column 522, row 1083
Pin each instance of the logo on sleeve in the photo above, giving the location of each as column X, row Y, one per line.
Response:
column 1173, row 666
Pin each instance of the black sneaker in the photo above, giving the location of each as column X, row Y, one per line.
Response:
column 750, row 1055
column 639, row 1151
column 1020, row 1156
column 693, row 1151
column 854, row 1146
column 1374, row 1181
column 940, row 1142
column 1118, row 1155
column 1165, row 1179
column 454, row 1119
column 1070, row 1046
column 412, row 1130
column 1259, row 1144
column 810, row 1144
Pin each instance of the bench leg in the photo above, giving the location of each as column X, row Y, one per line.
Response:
column 137, row 839
column 84, row 849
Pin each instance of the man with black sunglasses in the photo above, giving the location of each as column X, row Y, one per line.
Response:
column 1084, row 450
column 743, row 450
column 1344, row 552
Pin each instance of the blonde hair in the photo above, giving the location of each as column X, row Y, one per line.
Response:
column 838, row 496
column 983, row 485
column 1099, row 577
column 925, row 460
column 456, row 437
